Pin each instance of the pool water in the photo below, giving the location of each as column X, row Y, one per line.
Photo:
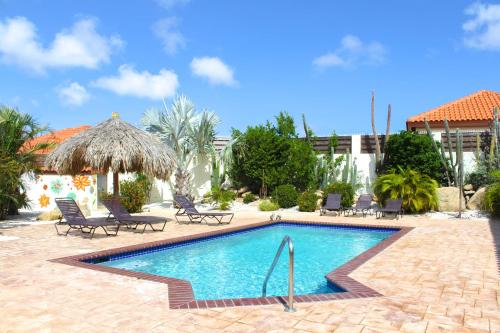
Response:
column 235, row 265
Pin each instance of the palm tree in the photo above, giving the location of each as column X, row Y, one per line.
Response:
column 18, row 156
column 188, row 132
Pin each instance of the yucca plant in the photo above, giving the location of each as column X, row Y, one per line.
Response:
column 418, row 191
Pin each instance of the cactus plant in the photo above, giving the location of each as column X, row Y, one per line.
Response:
column 378, row 154
column 450, row 162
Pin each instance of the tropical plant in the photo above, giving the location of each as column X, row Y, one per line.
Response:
column 18, row 156
column 268, row 206
column 418, row 191
column 222, row 198
column 308, row 201
column 285, row 196
column 188, row 132
column 414, row 151
column 345, row 190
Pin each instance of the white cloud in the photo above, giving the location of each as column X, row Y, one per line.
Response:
column 73, row 94
column 140, row 84
column 172, row 39
column 482, row 31
column 80, row 46
column 169, row 4
column 353, row 52
column 214, row 70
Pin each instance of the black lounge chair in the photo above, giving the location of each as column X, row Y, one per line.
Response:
column 363, row 205
column 187, row 208
column 333, row 203
column 75, row 219
column 123, row 217
column 392, row 206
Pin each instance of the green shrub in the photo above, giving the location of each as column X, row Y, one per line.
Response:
column 134, row 193
column 344, row 189
column 410, row 150
column 308, row 201
column 492, row 196
column 268, row 205
column 249, row 197
column 285, row 196
column 272, row 155
column 480, row 177
column 418, row 191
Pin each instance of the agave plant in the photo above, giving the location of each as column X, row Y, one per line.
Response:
column 418, row 191
column 189, row 133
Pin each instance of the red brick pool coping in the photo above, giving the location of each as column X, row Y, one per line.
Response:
column 180, row 292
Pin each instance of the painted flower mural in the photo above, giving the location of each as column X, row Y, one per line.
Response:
column 81, row 182
column 43, row 201
column 71, row 195
column 56, row 186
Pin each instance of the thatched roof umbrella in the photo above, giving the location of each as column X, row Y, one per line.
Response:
column 115, row 146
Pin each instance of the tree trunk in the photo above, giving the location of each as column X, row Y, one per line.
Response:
column 182, row 182
column 388, row 128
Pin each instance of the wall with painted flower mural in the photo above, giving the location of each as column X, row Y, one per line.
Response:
column 44, row 188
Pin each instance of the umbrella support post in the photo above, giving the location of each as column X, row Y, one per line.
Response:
column 116, row 185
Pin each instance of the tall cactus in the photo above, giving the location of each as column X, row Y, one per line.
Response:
column 449, row 162
column 442, row 155
column 378, row 153
column 494, row 147
column 460, row 171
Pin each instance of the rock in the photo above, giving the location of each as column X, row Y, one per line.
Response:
column 476, row 202
column 470, row 192
column 244, row 194
column 448, row 199
column 52, row 215
column 243, row 190
column 468, row 187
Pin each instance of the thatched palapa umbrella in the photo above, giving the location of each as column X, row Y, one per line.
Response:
column 115, row 146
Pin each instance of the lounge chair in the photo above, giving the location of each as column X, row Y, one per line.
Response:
column 123, row 217
column 333, row 203
column 187, row 208
column 363, row 205
column 75, row 219
column 392, row 206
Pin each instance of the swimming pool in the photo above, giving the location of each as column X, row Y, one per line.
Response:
column 234, row 265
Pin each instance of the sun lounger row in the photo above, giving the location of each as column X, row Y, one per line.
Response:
column 118, row 217
column 363, row 206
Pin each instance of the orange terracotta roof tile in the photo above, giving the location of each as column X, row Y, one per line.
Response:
column 474, row 107
column 55, row 137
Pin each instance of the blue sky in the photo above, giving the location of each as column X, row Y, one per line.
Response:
column 75, row 62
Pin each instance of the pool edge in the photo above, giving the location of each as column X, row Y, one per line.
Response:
column 180, row 292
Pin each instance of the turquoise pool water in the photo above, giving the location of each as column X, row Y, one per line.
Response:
column 235, row 265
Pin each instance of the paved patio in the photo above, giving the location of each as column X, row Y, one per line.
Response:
column 443, row 276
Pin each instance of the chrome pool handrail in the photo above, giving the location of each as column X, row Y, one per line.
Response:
column 286, row 239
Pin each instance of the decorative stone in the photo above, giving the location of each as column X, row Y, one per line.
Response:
column 243, row 190
column 52, row 215
column 319, row 203
column 448, row 199
column 468, row 187
column 476, row 202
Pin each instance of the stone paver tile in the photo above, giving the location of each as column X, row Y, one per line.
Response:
column 348, row 329
column 314, row 327
column 479, row 324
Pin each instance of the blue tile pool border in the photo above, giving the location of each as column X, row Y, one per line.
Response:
column 180, row 292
